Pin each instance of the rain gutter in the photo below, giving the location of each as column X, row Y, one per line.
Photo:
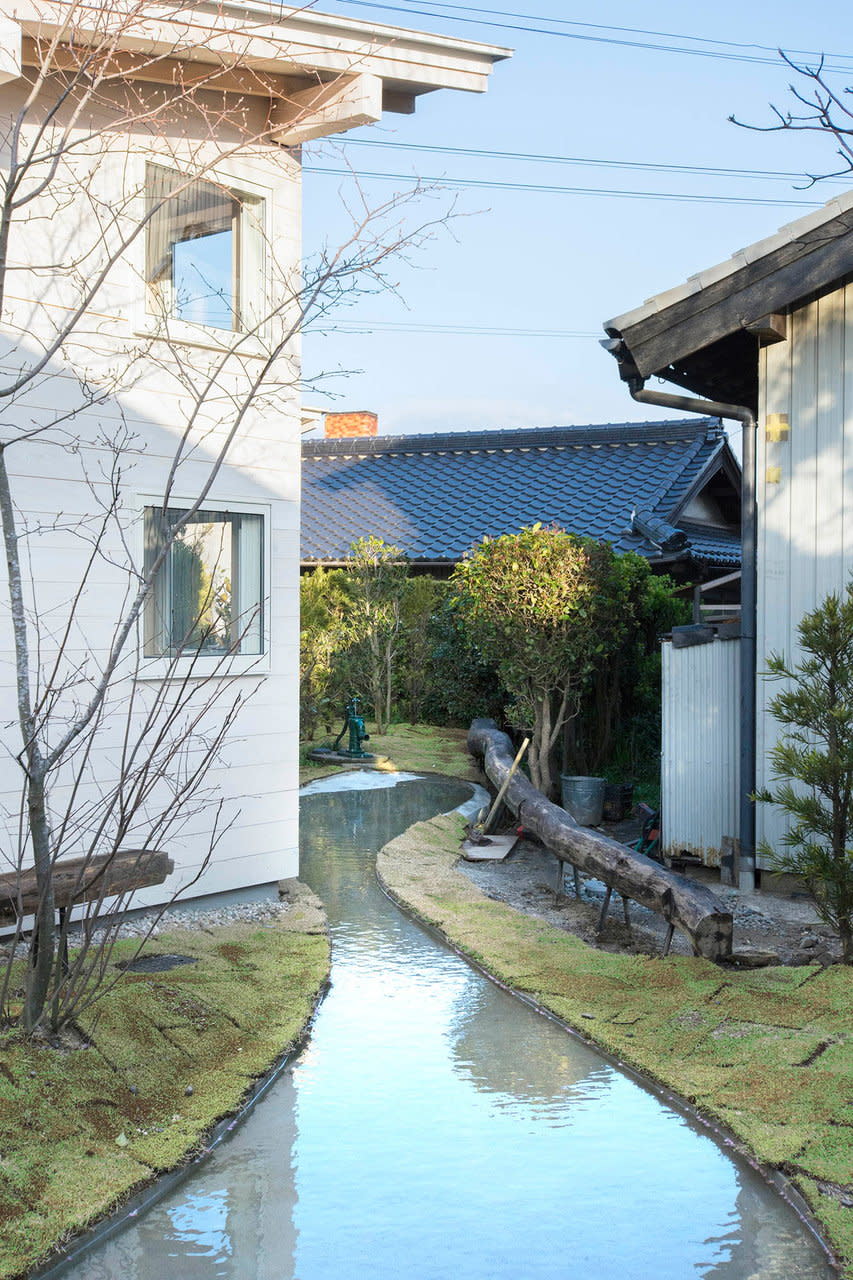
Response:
column 749, row 584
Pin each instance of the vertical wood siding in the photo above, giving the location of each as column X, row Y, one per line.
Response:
column 804, row 536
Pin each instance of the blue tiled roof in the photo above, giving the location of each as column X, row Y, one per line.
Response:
column 713, row 546
column 435, row 496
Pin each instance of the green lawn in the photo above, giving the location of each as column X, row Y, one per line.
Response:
column 81, row 1128
column 766, row 1053
column 412, row 748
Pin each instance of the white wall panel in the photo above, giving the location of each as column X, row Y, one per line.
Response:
column 699, row 768
column 805, row 518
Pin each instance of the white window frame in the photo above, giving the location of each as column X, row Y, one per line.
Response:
column 201, row 665
column 147, row 324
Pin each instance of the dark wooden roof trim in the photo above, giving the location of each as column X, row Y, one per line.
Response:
column 772, row 283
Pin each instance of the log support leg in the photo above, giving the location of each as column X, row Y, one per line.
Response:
column 63, row 945
column 605, row 906
column 626, row 913
column 577, row 883
column 668, row 940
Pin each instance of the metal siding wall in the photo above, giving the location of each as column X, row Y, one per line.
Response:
column 701, row 739
column 804, row 530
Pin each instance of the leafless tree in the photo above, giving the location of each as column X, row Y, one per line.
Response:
column 107, row 759
column 819, row 108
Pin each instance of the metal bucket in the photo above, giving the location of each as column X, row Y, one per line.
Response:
column 583, row 798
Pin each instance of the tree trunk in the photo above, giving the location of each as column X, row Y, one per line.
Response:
column 43, row 945
column 690, row 907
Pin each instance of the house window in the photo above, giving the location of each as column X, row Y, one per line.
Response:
column 208, row 593
column 204, row 252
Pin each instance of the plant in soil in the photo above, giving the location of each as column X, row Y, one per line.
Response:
column 813, row 763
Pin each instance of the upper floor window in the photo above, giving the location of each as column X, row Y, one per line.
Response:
column 208, row 593
column 204, row 252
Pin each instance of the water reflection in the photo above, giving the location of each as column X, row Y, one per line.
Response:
column 438, row 1129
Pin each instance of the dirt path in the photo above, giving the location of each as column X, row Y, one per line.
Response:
column 785, row 926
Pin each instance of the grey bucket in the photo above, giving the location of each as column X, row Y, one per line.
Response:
column 583, row 798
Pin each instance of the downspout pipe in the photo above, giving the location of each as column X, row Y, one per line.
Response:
column 749, row 595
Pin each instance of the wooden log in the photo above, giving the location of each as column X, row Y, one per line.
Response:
column 685, row 905
column 84, row 880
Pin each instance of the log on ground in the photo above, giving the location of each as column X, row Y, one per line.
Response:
column 692, row 908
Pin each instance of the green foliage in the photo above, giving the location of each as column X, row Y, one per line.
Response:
column 324, row 597
column 422, row 598
column 462, row 682
column 617, row 730
column 813, row 762
column 549, row 609
column 376, row 574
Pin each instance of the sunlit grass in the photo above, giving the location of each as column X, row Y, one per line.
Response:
column 170, row 1053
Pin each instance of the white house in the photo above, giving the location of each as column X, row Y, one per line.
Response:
column 769, row 333
column 149, row 360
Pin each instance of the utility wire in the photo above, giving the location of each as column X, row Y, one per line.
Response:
column 775, row 175
column 719, row 54
column 635, row 31
column 543, row 188
column 446, row 330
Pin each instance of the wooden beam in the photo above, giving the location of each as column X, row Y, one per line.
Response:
column 691, row 907
column 84, row 880
column 768, row 329
column 10, row 50
column 808, row 265
column 399, row 102
column 177, row 73
column 345, row 103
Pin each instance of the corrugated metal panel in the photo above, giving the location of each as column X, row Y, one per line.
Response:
column 699, row 767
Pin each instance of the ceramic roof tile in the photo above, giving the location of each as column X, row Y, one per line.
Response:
column 435, row 496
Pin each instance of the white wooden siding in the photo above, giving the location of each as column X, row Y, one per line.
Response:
column 257, row 779
column 699, row 766
column 805, row 520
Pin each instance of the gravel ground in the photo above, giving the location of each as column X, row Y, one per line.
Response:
column 205, row 916
column 784, row 926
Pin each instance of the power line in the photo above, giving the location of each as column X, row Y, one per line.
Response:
column 645, row 166
column 545, row 189
column 720, row 54
column 641, row 31
column 460, row 330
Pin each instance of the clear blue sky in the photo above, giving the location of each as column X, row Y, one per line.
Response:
column 536, row 261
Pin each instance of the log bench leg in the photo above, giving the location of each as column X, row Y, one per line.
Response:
column 668, row 940
column 577, row 883
column 604, row 909
column 63, row 946
column 626, row 913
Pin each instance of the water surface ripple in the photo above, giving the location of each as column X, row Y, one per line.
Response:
column 436, row 1128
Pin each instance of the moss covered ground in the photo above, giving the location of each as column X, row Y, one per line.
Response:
column 767, row 1053
column 415, row 748
column 170, row 1053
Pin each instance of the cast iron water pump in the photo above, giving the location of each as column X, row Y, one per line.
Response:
column 354, row 722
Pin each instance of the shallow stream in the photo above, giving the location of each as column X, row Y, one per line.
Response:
column 437, row 1128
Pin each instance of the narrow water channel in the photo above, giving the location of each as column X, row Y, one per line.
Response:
column 436, row 1128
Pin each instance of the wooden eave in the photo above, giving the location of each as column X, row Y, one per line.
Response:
column 705, row 338
column 248, row 38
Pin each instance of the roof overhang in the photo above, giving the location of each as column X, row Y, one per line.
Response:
column 321, row 73
column 705, row 334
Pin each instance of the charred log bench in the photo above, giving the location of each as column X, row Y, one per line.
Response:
column 685, row 905
column 78, row 880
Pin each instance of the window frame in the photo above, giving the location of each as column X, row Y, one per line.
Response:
column 155, row 324
column 193, row 663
